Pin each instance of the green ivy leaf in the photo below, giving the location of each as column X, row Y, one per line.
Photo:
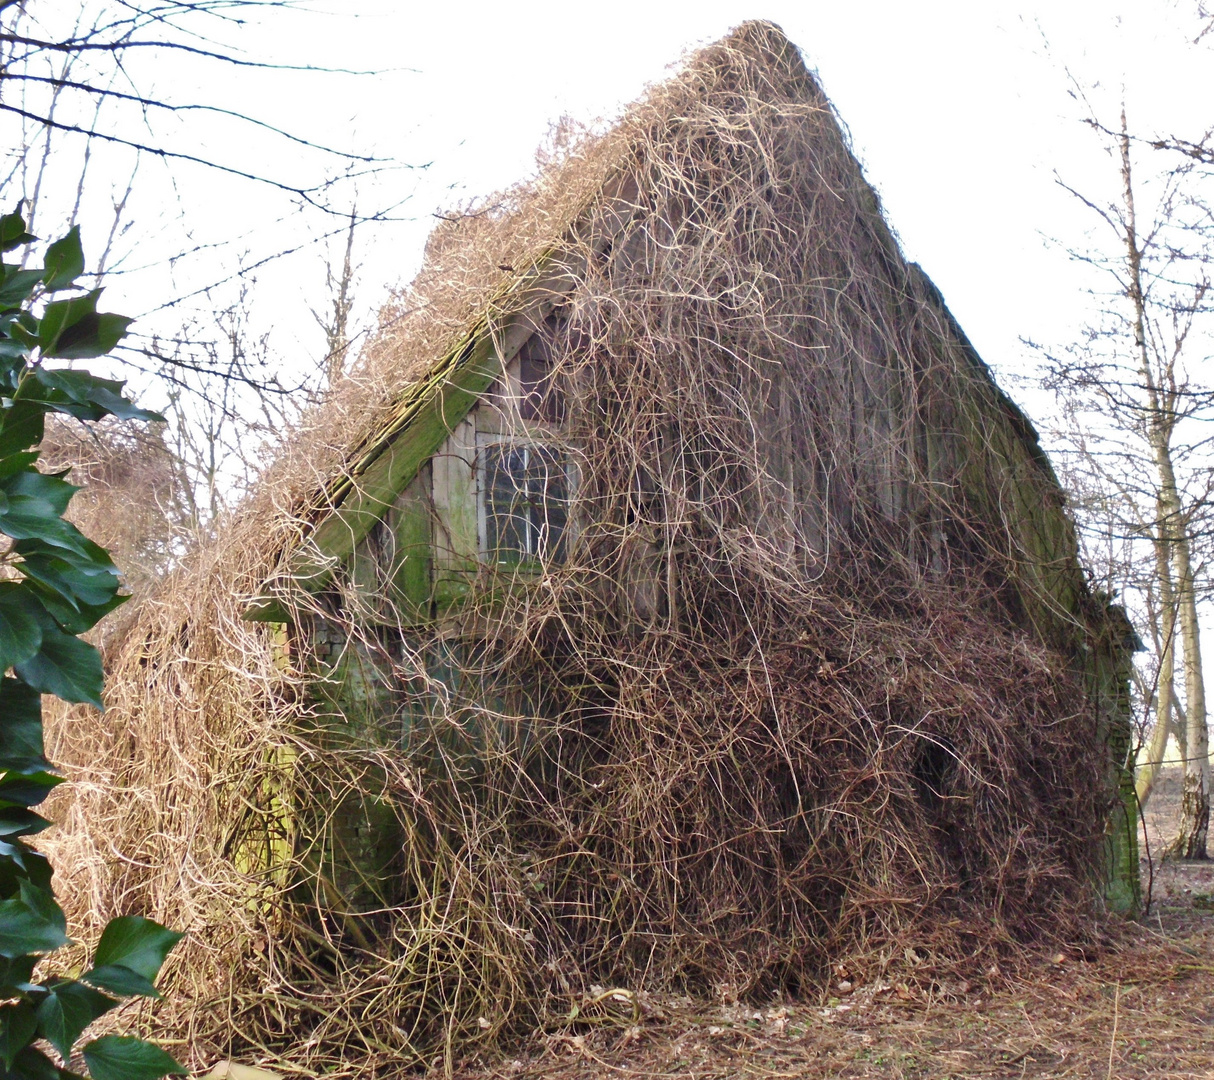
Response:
column 27, row 789
column 31, row 923
column 15, row 974
column 46, row 487
column 120, row 1057
column 21, row 426
column 89, row 585
column 18, row 1022
column 74, row 329
column 20, row 629
column 121, row 981
column 17, row 821
column 15, row 463
column 21, row 726
column 17, row 285
column 33, row 1064
column 64, row 666
column 27, row 517
column 134, row 942
column 94, row 335
column 60, row 316
column 67, row 1009
column 74, row 617
column 85, row 396
column 64, row 261
column 12, row 232
column 84, row 554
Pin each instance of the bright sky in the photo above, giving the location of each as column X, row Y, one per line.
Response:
column 959, row 111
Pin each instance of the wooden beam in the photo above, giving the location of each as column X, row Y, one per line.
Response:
column 396, row 466
column 426, row 418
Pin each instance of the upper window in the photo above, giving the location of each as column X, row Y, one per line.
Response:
column 540, row 395
column 525, row 502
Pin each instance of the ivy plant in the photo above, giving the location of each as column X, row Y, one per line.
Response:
column 54, row 585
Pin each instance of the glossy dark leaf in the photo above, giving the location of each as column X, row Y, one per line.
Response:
column 14, row 463
column 121, row 981
column 66, row 667
column 120, row 1057
column 90, row 584
column 46, row 487
column 60, row 316
column 21, row 427
column 67, row 1009
column 17, row 286
column 12, row 232
column 21, row 726
column 73, row 329
column 73, row 617
column 18, row 1022
column 84, row 554
column 64, row 261
column 136, row 943
column 29, row 924
column 20, row 628
column 15, row 974
column 27, row 517
column 33, row 1064
column 93, row 397
column 17, row 789
column 39, row 898
column 17, row 821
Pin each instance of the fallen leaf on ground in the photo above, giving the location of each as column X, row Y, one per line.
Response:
column 230, row 1070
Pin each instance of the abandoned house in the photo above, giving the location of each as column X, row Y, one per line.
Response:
column 668, row 597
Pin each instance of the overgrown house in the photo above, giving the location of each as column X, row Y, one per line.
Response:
column 668, row 598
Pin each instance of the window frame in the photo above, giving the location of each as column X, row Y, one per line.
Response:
column 487, row 441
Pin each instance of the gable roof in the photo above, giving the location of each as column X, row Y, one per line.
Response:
column 492, row 273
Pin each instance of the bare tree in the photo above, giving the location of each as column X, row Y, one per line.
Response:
column 227, row 401
column 78, row 87
column 1137, row 424
column 336, row 324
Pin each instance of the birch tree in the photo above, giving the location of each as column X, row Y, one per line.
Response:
column 1137, row 417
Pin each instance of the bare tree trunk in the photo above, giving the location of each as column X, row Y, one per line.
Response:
column 1165, row 688
column 1195, row 800
column 1173, row 530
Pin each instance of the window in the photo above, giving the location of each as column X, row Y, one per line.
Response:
column 525, row 502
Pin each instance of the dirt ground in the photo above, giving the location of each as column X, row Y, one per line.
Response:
column 1141, row 1006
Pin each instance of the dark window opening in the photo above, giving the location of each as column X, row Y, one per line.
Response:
column 541, row 398
column 526, row 502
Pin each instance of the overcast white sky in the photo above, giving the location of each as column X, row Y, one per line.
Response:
column 959, row 111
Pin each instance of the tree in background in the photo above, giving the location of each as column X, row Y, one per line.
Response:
column 91, row 130
column 336, row 325
column 132, row 500
column 1136, row 426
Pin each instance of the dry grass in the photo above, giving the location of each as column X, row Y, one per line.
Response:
column 817, row 683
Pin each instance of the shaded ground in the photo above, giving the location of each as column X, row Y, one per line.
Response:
column 1141, row 1007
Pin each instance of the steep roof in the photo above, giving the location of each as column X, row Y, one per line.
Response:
column 493, row 271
